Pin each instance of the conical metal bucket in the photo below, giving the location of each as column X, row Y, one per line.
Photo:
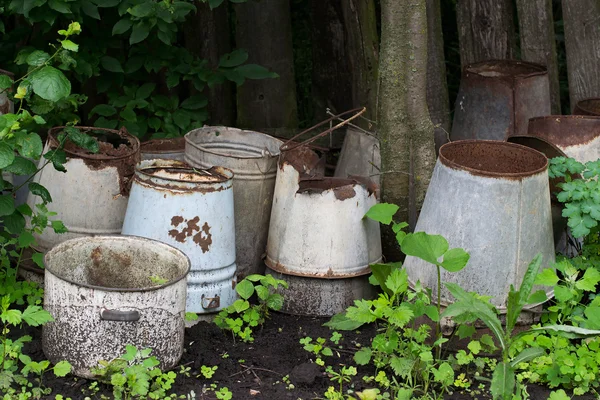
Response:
column 496, row 99
column 492, row 199
column 360, row 156
column 587, row 107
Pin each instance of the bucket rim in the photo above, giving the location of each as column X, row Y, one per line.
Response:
column 175, row 145
column 133, row 141
column 154, row 243
column 265, row 154
column 583, row 105
column 143, row 166
column 492, row 174
column 536, row 69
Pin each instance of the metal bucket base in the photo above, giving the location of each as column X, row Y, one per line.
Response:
column 322, row 297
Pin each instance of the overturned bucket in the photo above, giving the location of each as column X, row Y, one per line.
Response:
column 252, row 156
column 360, row 156
column 168, row 149
column 588, row 107
column 492, row 199
column 192, row 210
column 103, row 294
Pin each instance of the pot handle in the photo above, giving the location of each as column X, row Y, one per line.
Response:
column 118, row 315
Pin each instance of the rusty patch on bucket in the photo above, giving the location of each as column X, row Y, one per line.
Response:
column 305, row 161
column 157, row 146
column 565, row 130
column 202, row 237
column 176, row 220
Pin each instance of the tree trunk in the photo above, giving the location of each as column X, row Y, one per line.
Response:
column 538, row 44
column 264, row 29
column 207, row 35
column 582, row 40
column 485, row 30
column 345, row 56
column 406, row 130
column 437, row 86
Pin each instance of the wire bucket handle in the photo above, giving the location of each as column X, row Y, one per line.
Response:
column 354, row 113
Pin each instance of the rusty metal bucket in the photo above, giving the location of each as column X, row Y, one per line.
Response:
column 166, row 149
column 252, row 156
column 192, row 210
column 496, row 99
column 578, row 136
column 492, row 199
column 360, row 156
column 587, row 107
column 6, row 105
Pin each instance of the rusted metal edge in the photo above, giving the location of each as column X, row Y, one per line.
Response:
column 574, row 129
column 133, row 141
column 65, row 244
column 342, row 188
column 444, row 159
column 276, row 266
column 589, row 106
column 265, row 152
column 163, row 146
column 146, row 167
column 537, row 69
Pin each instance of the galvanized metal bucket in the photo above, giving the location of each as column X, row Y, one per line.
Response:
column 588, row 107
column 192, row 210
column 360, row 156
column 492, row 199
column 91, row 197
column 578, row 136
column 497, row 98
column 168, row 149
column 252, row 156
column 101, row 293
column 6, row 105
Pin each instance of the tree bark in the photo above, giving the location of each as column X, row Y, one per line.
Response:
column 207, row 35
column 485, row 30
column 264, row 29
column 406, row 130
column 345, row 56
column 437, row 86
column 538, row 44
column 582, row 41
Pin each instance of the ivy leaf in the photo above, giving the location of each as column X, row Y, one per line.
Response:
column 7, row 205
column 383, row 212
column 424, row 246
column 122, row 26
column 547, row 277
column 111, row 64
column 50, row 84
column 245, row 289
column 590, row 279
column 254, row 71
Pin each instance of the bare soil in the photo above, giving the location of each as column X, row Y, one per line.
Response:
column 256, row 370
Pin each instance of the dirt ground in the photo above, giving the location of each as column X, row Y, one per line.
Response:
column 254, row 370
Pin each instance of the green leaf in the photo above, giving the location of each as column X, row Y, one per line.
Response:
column 104, row 110
column 402, row 366
column 38, row 259
column 399, row 316
column 275, row 301
column 139, row 32
column 15, row 222
column 397, row 281
column 547, row 277
column 526, row 355
column 144, row 91
column 233, row 59
column 559, row 395
column 39, row 190
column 59, row 227
column 37, row 58
column 513, row 309
column 21, row 166
column 194, row 102
column 383, row 212
column 562, row 293
column 111, row 64
column 26, row 239
column 590, row 279
column 31, row 145
column 7, row 205
column 7, row 155
column 465, row 331
column 60, row 6
column 537, row 297
column 381, row 273
column 69, row 45
column 444, row 374
column 241, row 305
column 90, row 9
column 128, row 114
column 503, row 382
column 342, row 323
column 254, row 71
column 363, row 356
column 573, row 331
column 12, row 317
column 361, row 311
column 142, row 10
column 5, row 82
column 122, row 26
column 426, row 247
column 262, row 292
column 455, row 259
column 36, row 316
column 82, row 140
column 245, row 289
column 50, row 84
column 62, row 368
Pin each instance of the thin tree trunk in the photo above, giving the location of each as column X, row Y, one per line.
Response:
column 207, row 35
column 582, row 41
column 345, row 56
column 406, row 130
column 538, row 44
column 264, row 29
column 437, row 86
column 485, row 30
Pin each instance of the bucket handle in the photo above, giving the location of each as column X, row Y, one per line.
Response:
column 119, row 315
column 356, row 111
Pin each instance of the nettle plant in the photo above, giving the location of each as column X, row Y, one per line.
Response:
column 132, row 64
column 407, row 364
column 242, row 317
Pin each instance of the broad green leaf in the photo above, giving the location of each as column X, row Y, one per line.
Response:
column 401, row 366
column 397, row 281
column 144, row 91
column 122, row 26
column 60, row 6
column 62, row 368
column 526, row 355
column 194, row 102
column 363, row 356
column 50, row 84
column 58, row 227
column 559, row 395
column 36, row 316
column 455, row 259
column 537, row 297
column 139, row 32
column 5, row 82
column 82, row 140
column 444, row 374
column 593, row 317
column 39, row 190
column 69, row 45
column 562, row 293
column 111, row 64
column 21, row 166
column 90, row 9
column 424, row 246
column 37, row 58
column 38, row 259
column 514, row 310
column 342, row 323
column 275, row 301
column 128, row 114
column 432, row 312
column 233, row 59
column 262, row 292
column 383, row 212
column 404, row 394
column 361, row 311
column 465, row 331
column 590, row 279
column 254, row 277
column 14, row 223
column 143, row 9
column 26, row 239
column 240, row 305
column 381, row 273
column 503, row 382
column 400, row 316
column 254, row 71
column 547, row 277
column 12, row 317
column 245, row 289
column 7, row 155
column 7, row 205
column 31, row 145
column 104, row 110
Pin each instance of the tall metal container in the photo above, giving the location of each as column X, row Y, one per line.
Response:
column 496, row 99
column 577, row 135
column 192, row 210
column 252, row 156
column 102, row 297
column 169, row 149
column 360, row 156
column 6, row 106
column 91, row 197
column 588, row 107
column 492, row 199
